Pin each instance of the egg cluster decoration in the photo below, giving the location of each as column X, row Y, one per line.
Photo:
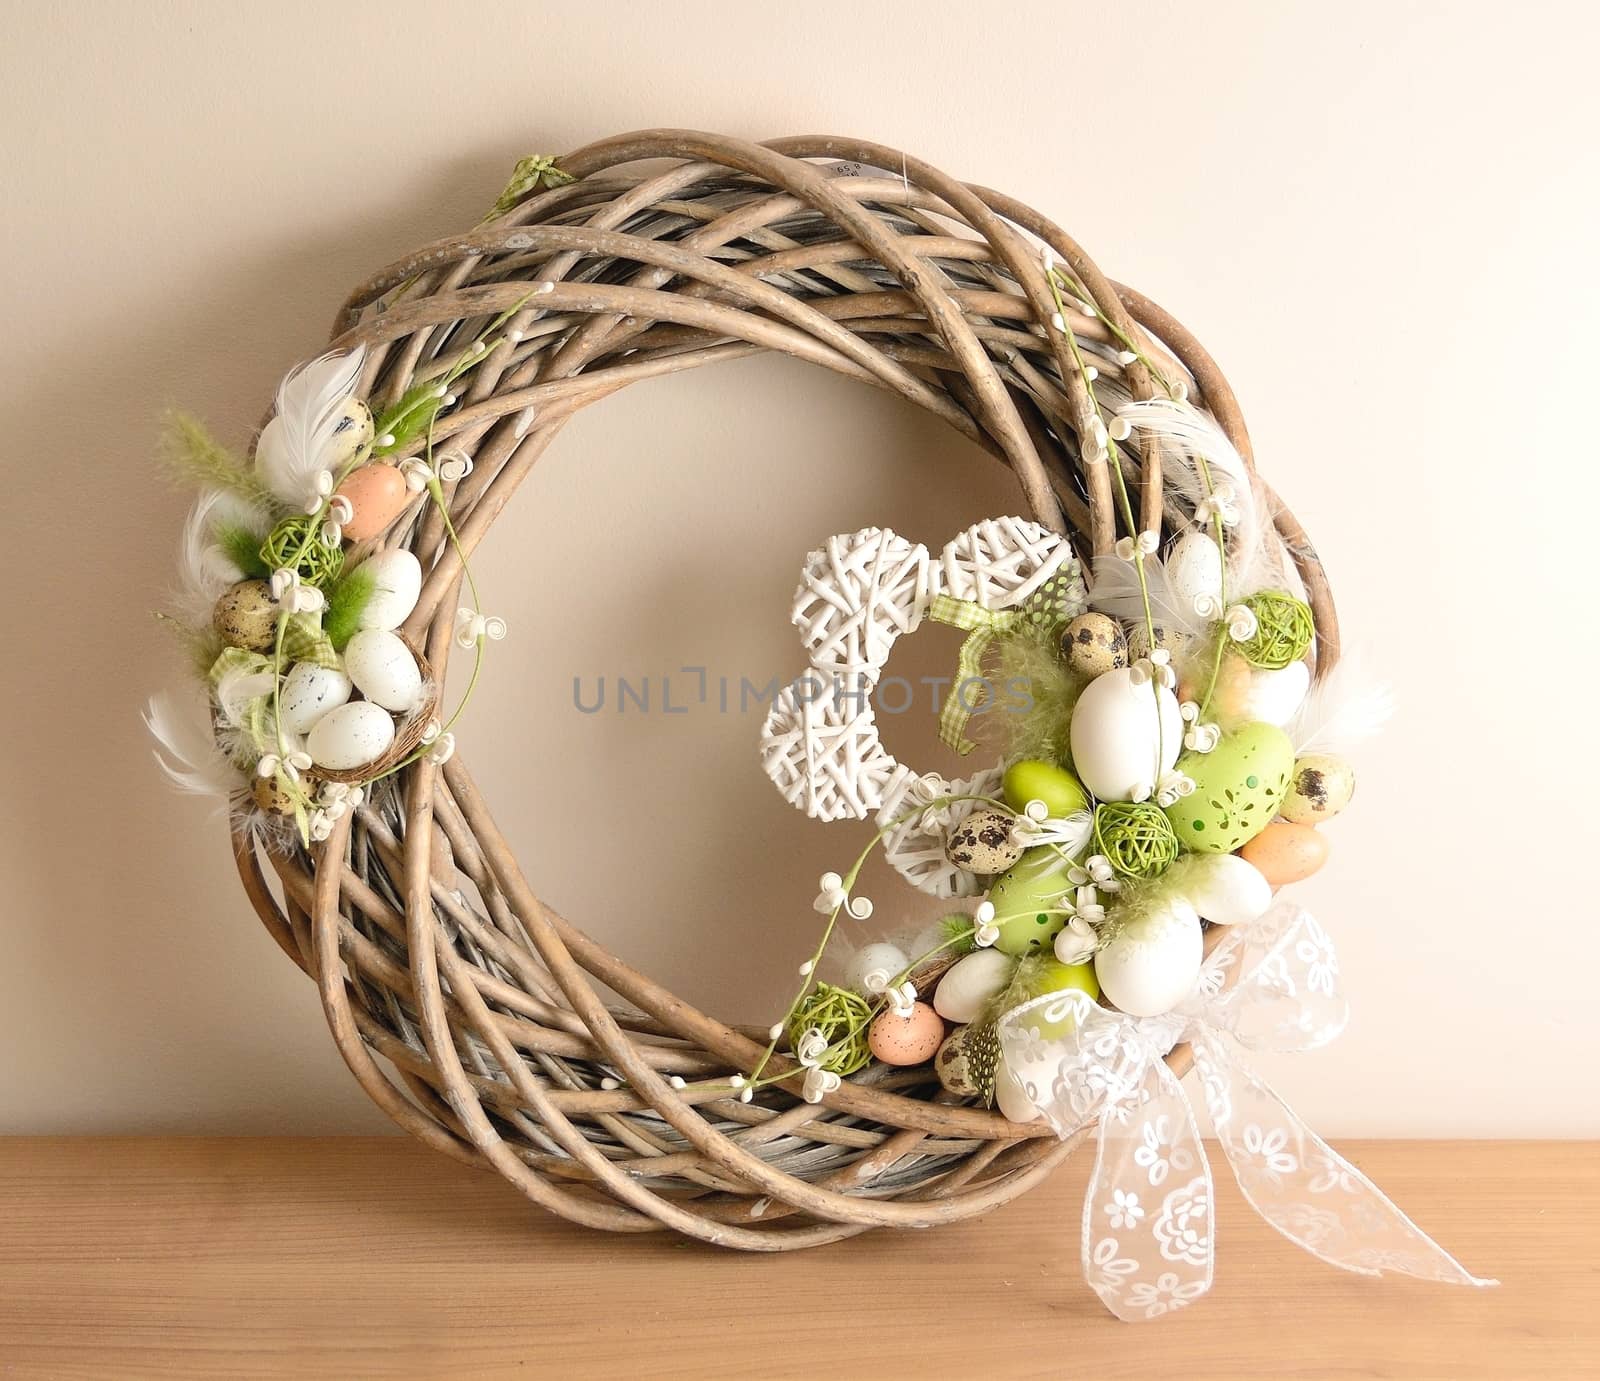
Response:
column 1169, row 774
column 295, row 586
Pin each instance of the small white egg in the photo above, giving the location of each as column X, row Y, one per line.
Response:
column 1224, row 888
column 971, row 983
column 1010, row 1098
column 1150, row 965
column 1124, row 735
column 309, row 692
column 872, row 967
column 351, row 736
column 1194, row 568
column 383, row 669
column 397, row 576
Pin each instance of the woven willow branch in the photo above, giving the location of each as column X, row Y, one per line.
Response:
column 467, row 1009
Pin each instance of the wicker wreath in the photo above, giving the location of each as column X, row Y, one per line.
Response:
column 469, row 1010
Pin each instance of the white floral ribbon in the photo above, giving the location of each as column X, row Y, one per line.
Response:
column 1147, row 1217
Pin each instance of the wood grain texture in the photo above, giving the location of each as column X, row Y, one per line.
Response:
column 376, row 1258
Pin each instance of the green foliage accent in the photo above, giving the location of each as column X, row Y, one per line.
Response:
column 532, row 174
column 410, row 417
column 1284, row 630
column 298, row 543
column 1136, row 838
column 243, row 548
column 347, row 598
column 192, row 455
column 842, row 1016
column 1031, row 670
column 956, row 931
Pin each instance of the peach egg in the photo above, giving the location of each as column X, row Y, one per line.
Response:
column 907, row 1040
column 377, row 495
column 1284, row 853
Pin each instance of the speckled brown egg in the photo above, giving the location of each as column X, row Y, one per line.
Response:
column 246, row 616
column 908, row 1040
column 270, row 795
column 982, row 843
column 1140, row 645
column 953, row 1064
column 1321, row 787
column 1094, row 644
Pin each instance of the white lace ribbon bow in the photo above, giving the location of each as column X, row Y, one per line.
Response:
column 1147, row 1230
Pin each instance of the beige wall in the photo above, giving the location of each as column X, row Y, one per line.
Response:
column 1380, row 217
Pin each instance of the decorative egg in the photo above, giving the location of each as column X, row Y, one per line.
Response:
column 1321, row 787
column 397, row 581
column 1272, row 697
column 1027, row 901
column 378, row 495
column 351, row 736
column 1031, row 780
column 954, row 1064
column 906, row 1040
column 1237, row 787
column 246, row 615
column 971, row 983
column 1194, row 568
column 1174, row 640
column 1094, row 644
column 873, row 966
column 308, row 692
column 982, row 843
column 1009, row 1098
column 383, row 669
column 270, row 795
column 1224, row 888
column 1041, row 974
column 1124, row 736
column 1285, row 852
column 1152, row 961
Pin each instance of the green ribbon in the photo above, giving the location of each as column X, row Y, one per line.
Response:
column 1043, row 614
column 304, row 641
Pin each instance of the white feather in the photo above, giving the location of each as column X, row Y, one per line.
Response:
column 1191, row 436
column 191, row 758
column 291, row 452
column 235, row 690
column 1116, row 591
column 1341, row 710
column 204, row 569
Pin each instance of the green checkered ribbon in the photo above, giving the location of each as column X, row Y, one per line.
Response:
column 304, row 641
column 1043, row 614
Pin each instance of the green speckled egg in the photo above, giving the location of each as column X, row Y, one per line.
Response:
column 1323, row 785
column 1237, row 789
column 1027, row 900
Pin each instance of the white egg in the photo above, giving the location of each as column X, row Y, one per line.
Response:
column 1194, row 568
column 1010, row 1098
column 397, row 576
column 1273, row 696
column 1224, row 888
column 351, row 736
column 1151, row 963
column 873, row 966
column 1123, row 735
column 970, row 983
column 309, row 692
column 383, row 669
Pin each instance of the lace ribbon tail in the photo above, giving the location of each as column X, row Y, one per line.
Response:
column 1303, row 1187
column 1147, row 1238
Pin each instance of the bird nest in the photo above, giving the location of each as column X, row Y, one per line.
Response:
column 468, row 1009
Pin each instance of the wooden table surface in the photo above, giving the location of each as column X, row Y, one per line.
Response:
column 358, row 1257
